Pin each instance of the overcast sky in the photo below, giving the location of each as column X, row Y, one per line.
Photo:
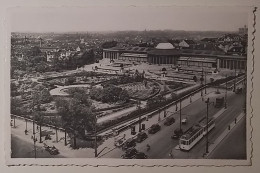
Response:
column 128, row 18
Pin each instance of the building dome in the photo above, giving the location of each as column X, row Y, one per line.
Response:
column 164, row 46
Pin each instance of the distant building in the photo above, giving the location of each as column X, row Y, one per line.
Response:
column 78, row 49
column 184, row 44
column 164, row 53
column 243, row 30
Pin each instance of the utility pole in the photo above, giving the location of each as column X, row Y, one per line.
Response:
column 180, row 116
column 207, row 138
column 205, row 83
column 138, row 108
column 96, row 136
column 34, row 139
column 235, row 80
column 226, row 94
column 201, row 81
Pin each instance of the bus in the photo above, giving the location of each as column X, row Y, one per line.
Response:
column 194, row 134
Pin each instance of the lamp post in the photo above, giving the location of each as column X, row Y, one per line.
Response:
column 95, row 135
column 180, row 116
column 226, row 94
column 207, row 120
column 34, row 139
column 235, row 80
column 201, row 81
column 138, row 108
column 205, row 83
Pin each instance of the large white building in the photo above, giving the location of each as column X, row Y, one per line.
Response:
column 165, row 53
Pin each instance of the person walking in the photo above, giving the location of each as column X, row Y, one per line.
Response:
column 170, row 154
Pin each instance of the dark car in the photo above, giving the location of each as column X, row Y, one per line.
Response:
column 129, row 143
column 238, row 90
column 169, row 121
column 141, row 137
column 130, row 153
column 140, row 155
column 154, row 128
column 177, row 134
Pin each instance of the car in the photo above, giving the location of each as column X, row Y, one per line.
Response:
column 52, row 150
column 238, row 90
column 140, row 155
column 174, row 136
column 130, row 153
column 184, row 121
column 119, row 142
column 169, row 121
column 154, row 128
column 141, row 137
column 129, row 143
column 177, row 134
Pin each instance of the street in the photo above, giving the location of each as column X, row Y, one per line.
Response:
column 162, row 144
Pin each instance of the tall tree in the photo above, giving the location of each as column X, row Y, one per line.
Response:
column 77, row 116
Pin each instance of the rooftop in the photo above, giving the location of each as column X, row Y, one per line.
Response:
column 164, row 46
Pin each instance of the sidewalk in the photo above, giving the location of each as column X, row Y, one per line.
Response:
column 225, row 133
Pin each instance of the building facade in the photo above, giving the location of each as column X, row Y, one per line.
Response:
column 165, row 53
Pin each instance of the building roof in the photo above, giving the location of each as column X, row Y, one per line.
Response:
column 189, row 41
column 195, row 59
column 129, row 49
column 133, row 55
column 164, row 52
column 164, row 46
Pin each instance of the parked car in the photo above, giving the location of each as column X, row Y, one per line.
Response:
column 129, row 144
column 52, row 150
column 169, row 121
column 141, row 137
column 130, row 153
column 140, row 155
column 119, row 142
column 154, row 128
column 238, row 90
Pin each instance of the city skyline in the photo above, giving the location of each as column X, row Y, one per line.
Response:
column 112, row 19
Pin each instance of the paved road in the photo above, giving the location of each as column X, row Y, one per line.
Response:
column 162, row 144
column 233, row 146
column 222, row 123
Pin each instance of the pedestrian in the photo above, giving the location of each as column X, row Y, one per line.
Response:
column 171, row 155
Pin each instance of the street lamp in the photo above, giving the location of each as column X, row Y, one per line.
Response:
column 205, row 82
column 207, row 119
column 235, row 80
column 138, row 108
column 180, row 116
column 226, row 94
column 201, row 81
column 96, row 154
column 34, row 139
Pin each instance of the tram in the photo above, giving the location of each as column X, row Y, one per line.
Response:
column 194, row 134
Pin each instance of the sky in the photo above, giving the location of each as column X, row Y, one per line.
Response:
column 116, row 18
